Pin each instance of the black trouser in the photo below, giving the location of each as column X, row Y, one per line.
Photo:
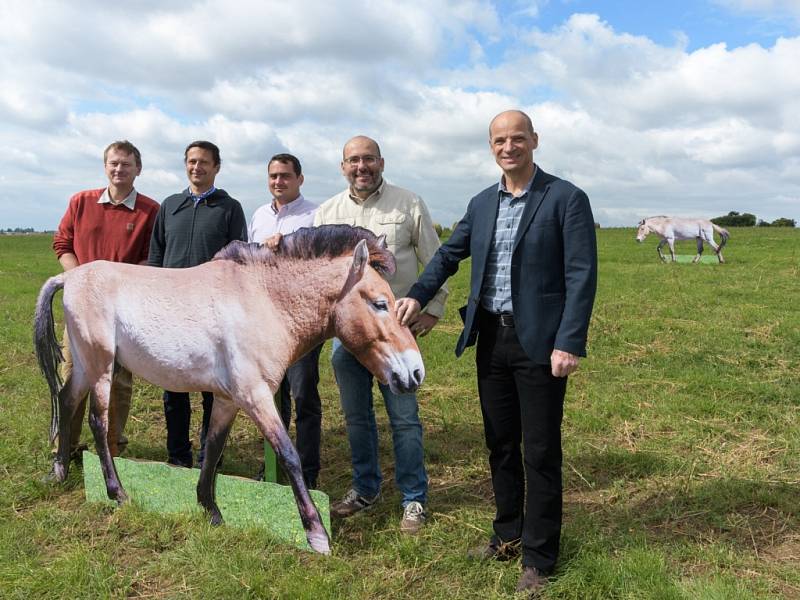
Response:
column 300, row 384
column 178, row 414
column 522, row 405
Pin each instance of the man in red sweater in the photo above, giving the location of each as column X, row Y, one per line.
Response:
column 112, row 223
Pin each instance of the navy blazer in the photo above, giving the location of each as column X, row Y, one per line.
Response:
column 553, row 267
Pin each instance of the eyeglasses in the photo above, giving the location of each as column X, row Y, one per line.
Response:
column 368, row 160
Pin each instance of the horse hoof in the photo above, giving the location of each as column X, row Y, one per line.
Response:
column 121, row 498
column 216, row 518
column 319, row 543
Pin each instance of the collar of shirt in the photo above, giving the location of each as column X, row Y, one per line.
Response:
column 287, row 209
column 129, row 202
column 501, row 188
column 198, row 198
column 376, row 194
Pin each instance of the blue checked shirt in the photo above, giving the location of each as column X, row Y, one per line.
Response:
column 496, row 290
column 199, row 198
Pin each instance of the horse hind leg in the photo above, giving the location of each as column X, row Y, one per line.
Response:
column 98, row 421
column 69, row 400
column 269, row 423
column 717, row 249
column 699, row 250
column 222, row 416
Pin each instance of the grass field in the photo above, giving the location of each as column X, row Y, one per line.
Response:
column 681, row 439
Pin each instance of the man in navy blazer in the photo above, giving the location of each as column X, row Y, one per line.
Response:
column 532, row 286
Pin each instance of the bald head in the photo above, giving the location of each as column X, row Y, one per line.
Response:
column 361, row 142
column 512, row 141
column 514, row 114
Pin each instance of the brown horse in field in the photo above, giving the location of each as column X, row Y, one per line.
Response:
column 231, row 326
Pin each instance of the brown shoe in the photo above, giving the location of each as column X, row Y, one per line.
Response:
column 351, row 504
column 413, row 518
column 495, row 551
column 532, row 581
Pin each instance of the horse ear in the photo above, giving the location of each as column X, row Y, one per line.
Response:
column 382, row 241
column 360, row 258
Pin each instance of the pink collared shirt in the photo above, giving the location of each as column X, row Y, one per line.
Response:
column 269, row 219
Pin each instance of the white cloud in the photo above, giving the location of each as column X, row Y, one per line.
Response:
column 643, row 127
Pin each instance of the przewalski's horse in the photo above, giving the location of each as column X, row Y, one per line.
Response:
column 231, row 326
column 676, row 228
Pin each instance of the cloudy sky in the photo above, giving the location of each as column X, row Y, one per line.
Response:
column 681, row 107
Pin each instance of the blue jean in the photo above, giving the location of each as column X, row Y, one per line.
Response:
column 355, row 392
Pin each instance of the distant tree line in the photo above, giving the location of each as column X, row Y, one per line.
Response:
column 734, row 219
column 18, row 230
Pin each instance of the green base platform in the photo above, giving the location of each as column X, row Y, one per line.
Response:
column 158, row 487
column 704, row 260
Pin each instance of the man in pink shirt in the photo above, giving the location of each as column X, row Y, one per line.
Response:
column 287, row 212
column 112, row 223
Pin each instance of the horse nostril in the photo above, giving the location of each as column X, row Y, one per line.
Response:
column 396, row 381
column 417, row 376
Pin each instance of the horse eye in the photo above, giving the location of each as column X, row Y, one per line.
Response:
column 381, row 305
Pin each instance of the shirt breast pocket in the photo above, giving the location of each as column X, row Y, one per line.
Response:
column 393, row 225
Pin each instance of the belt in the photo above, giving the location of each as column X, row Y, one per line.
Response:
column 498, row 319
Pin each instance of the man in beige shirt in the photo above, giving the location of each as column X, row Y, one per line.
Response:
column 383, row 208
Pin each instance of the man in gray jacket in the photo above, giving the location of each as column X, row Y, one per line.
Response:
column 191, row 227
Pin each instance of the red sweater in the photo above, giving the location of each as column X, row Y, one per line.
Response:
column 93, row 231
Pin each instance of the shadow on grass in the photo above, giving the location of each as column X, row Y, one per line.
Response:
column 751, row 516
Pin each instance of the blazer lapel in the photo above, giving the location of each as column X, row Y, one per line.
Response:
column 538, row 191
column 483, row 230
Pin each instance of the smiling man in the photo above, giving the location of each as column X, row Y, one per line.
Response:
column 191, row 227
column 112, row 223
column 287, row 212
column 533, row 280
column 383, row 208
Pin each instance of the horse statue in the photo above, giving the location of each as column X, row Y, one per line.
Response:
column 231, row 326
column 676, row 228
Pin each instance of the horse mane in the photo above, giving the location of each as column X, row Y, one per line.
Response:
column 308, row 243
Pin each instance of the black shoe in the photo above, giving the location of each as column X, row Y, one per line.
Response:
column 493, row 550
column 177, row 462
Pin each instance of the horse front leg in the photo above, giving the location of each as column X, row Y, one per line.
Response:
column 660, row 253
column 98, row 422
column 222, row 416
column 671, row 242
column 266, row 418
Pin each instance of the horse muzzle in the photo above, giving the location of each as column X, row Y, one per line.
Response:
column 406, row 372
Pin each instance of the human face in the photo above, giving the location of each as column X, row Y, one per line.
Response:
column 512, row 143
column 200, row 169
column 362, row 166
column 121, row 169
column 284, row 184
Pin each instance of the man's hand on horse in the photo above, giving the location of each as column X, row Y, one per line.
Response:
column 407, row 310
column 563, row 363
column 273, row 242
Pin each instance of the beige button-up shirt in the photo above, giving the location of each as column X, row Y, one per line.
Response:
column 404, row 218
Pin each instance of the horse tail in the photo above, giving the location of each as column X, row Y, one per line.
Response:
column 48, row 350
column 723, row 233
